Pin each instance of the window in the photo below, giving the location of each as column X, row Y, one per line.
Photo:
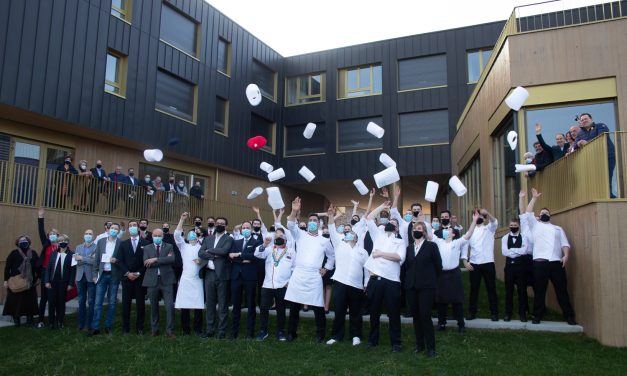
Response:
column 305, row 89
column 360, row 81
column 121, row 9
column 477, row 60
column 352, row 135
column 506, row 181
column 471, row 178
column 224, row 56
column 265, row 79
column 423, row 128
column 175, row 96
column 221, row 122
column 115, row 74
column 296, row 144
column 189, row 179
column 263, row 127
column 178, row 31
column 422, row 72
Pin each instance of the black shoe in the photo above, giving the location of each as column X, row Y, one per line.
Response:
column 93, row 333
column 407, row 315
column 207, row 335
column 107, row 330
column 472, row 316
column 291, row 337
column 430, row 353
column 495, row 318
column 441, row 327
column 461, row 329
column 396, row 348
column 140, row 332
column 571, row 321
column 419, row 349
column 507, row 318
column 523, row 317
column 221, row 336
column 535, row 321
column 370, row 345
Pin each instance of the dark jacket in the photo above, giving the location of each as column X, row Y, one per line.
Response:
column 69, row 271
column 595, row 130
column 423, row 269
column 129, row 261
column 178, row 260
column 14, row 260
column 245, row 266
column 218, row 254
column 165, row 259
column 555, row 151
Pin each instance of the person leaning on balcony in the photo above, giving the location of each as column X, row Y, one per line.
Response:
column 22, row 261
column 542, row 158
column 197, row 191
column 558, row 150
column 131, row 208
column 550, row 256
column 101, row 177
column 82, row 186
column 48, row 245
column 64, row 182
column 590, row 130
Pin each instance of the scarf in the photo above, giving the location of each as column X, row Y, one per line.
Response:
column 26, row 268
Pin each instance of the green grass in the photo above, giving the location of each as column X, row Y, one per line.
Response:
column 28, row 351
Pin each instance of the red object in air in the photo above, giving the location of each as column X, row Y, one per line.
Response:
column 256, row 142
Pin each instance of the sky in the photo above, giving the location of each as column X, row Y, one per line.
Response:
column 293, row 27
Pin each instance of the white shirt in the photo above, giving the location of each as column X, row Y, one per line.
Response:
column 110, row 247
column 451, row 252
column 515, row 252
column 277, row 276
column 482, row 243
column 548, row 239
column 403, row 225
column 386, row 242
column 360, row 229
column 311, row 249
column 349, row 261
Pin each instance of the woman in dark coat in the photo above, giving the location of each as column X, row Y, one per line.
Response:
column 22, row 261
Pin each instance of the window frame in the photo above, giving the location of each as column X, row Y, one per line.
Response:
column 195, row 99
column 274, row 79
column 343, row 74
column 272, row 132
column 337, row 135
column 422, row 145
column 227, row 58
column 285, row 155
column 197, row 33
column 398, row 75
column 123, row 70
column 227, row 104
column 482, row 64
column 126, row 12
column 323, row 85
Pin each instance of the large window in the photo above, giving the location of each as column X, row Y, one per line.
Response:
column 221, row 122
column 423, row 128
column 506, row 181
column 224, row 56
column 178, row 30
column 360, row 81
column 305, row 89
column 353, row 136
column 471, row 178
column 422, row 72
column 115, row 74
column 265, row 78
column 296, row 144
column 175, row 96
column 189, row 179
column 262, row 127
column 122, row 9
column 477, row 60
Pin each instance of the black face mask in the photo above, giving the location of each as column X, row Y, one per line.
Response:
column 63, row 245
column 23, row 245
column 210, row 224
column 514, row 229
column 166, row 230
column 131, row 174
column 354, row 222
column 303, row 227
column 325, row 235
column 545, row 217
column 98, row 166
column 415, row 213
column 198, row 223
column 279, row 241
column 479, row 220
column 389, row 227
column 445, row 221
column 220, row 229
column 417, row 234
column 143, row 228
column 257, row 228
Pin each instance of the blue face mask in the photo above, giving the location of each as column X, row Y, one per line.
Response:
column 52, row 238
column 113, row 232
column 384, row 221
column 246, row 233
column 312, row 226
column 157, row 240
column 88, row 238
column 191, row 236
column 445, row 234
column 340, row 230
column 349, row 237
column 435, row 225
column 133, row 230
column 407, row 217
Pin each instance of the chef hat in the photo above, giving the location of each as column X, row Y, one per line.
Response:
column 524, row 167
column 309, row 130
column 266, row 167
column 306, row 173
column 431, row 191
column 153, row 155
column 386, row 160
column 274, row 198
column 375, row 130
column 253, row 94
column 361, row 187
column 276, row 175
column 386, row 177
column 457, row 186
column 256, row 142
column 254, row 193
column 517, row 98
column 512, row 138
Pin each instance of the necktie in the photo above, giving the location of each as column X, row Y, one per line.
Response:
column 158, row 250
column 134, row 245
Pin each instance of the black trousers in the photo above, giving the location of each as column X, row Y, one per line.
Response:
column 185, row 320
column 516, row 276
column 43, row 300
column 344, row 297
column 321, row 320
column 56, row 300
column 133, row 290
column 381, row 290
column 420, row 302
column 267, row 296
column 486, row 271
column 543, row 271
column 458, row 313
column 237, row 287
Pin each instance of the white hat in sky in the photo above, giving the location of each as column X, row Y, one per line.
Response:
column 153, row 155
column 386, row 177
column 309, row 130
column 274, row 198
column 386, row 160
column 361, row 187
column 517, row 98
column 266, row 167
column 432, row 191
column 375, row 130
column 457, row 186
column 253, row 94
column 306, row 173
column 512, row 138
column 254, row 193
column 276, row 175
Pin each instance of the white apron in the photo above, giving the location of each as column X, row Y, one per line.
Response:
column 190, row 291
column 305, row 287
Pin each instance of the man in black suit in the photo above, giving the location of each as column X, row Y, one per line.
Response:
column 214, row 270
column 445, row 224
column 558, row 150
column 131, row 266
column 244, row 277
column 131, row 203
column 143, row 230
column 423, row 265
column 100, row 175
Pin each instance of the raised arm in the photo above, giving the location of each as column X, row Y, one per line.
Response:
column 522, row 204
column 534, row 197
column 355, row 205
column 468, row 234
column 372, row 192
column 397, row 194
column 335, row 237
column 373, row 214
column 291, row 219
column 40, row 225
column 179, row 239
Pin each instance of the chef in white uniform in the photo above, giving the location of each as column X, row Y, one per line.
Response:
column 305, row 286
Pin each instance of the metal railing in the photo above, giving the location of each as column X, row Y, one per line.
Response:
column 32, row 186
column 584, row 176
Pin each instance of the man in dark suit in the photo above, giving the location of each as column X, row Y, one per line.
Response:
column 132, row 270
column 244, row 277
column 214, row 269
column 97, row 186
column 159, row 278
column 58, row 278
column 116, row 179
column 131, row 203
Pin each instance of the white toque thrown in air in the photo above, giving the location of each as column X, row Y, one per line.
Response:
column 512, row 138
column 457, row 186
column 253, row 94
column 307, row 174
column 517, row 98
column 153, row 155
column 276, row 175
column 361, row 187
column 524, row 167
column 432, row 191
column 254, row 193
column 266, row 167
column 386, row 160
column 386, row 177
column 274, row 198
column 375, row 130
column 309, row 130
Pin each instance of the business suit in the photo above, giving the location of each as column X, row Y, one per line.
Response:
column 421, row 280
column 130, row 261
column 85, row 284
column 244, row 277
column 131, row 202
column 97, row 187
column 159, row 278
column 59, row 277
column 107, row 282
column 216, row 280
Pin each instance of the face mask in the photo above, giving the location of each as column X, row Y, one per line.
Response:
column 143, row 228
column 98, row 166
column 312, row 226
column 220, row 229
column 279, row 241
column 417, row 234
column 147, row 180
column 131, row 174
column 528, row 160
column 83, row 167
column 210, row 224
column 514, row 229
column 181, row 185
column 198, row 223
column 257, row 228
column 328, row 236
column 157, row 240
column 52, row 238
column 88, row 238
column 191, row 236
column 63, row 245
column 302, row 227
column 416, row 213
column 545, row 217
column 354, row 222
column 23, row 245
column 171, row 180
column 389, row 227
column 166, row 230
column 383, row 221
column 113, row 233
column 445, row 221
column 133, row 230
column 349, row 237
column 435, row 225
column 445, row 234
column 340, row 230
column 246, row 233
column 479, row 220
column 407, row 217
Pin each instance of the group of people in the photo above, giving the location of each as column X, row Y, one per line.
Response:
column 379, row 260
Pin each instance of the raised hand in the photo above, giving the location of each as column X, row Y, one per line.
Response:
column 296, row 204
column 355, row 203
column 256, row 210
column 475, row 216
column 40, row 212
column 331, row 211
column 522, row 194
column 372, row 192
column 397, row 191
column 387, row 204
column 538, row 128
column 385, row 193
column 535, row 193
column 184, row 216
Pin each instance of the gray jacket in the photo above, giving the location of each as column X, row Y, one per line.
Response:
column 218, row 254
column 163, row 265
column 86, row 265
